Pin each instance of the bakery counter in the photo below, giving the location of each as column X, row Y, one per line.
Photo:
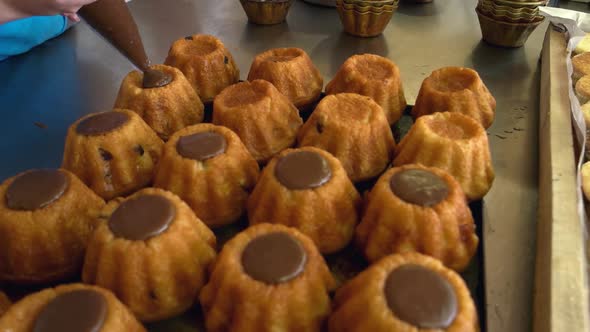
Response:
column 46, row 90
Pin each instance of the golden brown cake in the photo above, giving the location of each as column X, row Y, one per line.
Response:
column 206, row 63
column 268, row 278
column 409, row 292
column 453, row 142
column 586, row 180
column 152, row 252
column 353, row 128
column 581, row 66
column 308, row 189
column 4, row 303
column 372, row 76
column 582, row 89
column 113, row 152
column 291, row 71
column 456, row 89
column 264, row 119
column 211, row 170
column 70, row 308
column 163, row 98
column 46, row 218
column 586, row 114
column 418, row 209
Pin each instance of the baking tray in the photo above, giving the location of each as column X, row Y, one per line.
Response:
column 561, row 278
column 344, row 265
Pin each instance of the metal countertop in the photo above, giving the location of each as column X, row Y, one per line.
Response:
column 45, row 90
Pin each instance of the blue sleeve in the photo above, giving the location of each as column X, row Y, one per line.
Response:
column 20, row 36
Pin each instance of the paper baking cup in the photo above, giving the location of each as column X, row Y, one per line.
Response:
column 365, row 3
column 507, row 16
column 363, row 9
column 368, row 24
column 266, row 12
column 520, row 4
column 504, row 33
column 492, row 6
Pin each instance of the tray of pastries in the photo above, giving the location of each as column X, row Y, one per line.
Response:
column 280, row 203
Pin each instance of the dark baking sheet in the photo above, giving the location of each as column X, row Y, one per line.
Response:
column 349, row 262
column 344, row 265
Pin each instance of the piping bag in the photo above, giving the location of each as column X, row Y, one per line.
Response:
column 114, row 22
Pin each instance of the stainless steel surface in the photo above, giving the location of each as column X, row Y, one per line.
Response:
column 78, row 73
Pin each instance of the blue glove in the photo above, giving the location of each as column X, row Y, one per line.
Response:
column 20, row 36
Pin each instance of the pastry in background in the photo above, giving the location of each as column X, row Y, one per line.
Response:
column 4, row 303
column 586, row 180
column 73, row 307
column 409, row 292
column 586, row 114
column 163, row 98
column 372, row 76
column 582, row 89
column 206, row 62
column 584, row 45
column 152, row 252
column 454, row 143
column 264, row 119
column 46, row 218
column 292, row 72
column 209, row 168
column 268, row 278
column 581, row 66
column 113, row 152
column 307, row 189
column 456, row 89
column 354, row 129
column 418, row 209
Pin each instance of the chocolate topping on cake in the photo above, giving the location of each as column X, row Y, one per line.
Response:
column 421, row 297
column 101, row 123
column 303, row 170
column 154, row 78
column 274, row 258
column 75, row 311
column 36, row 189
column 419, row 187
column 201, row 146
column 142, row 217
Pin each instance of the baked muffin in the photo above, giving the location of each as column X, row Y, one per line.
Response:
column 152, row 252
column 4, row 303
column 408, row 292
column 268, row 278
column 582, row 89
column 113, row 152
column 372, row 76
column 308, row 189
column 163, row 98
column 456, row 89
column 211, row 170
column 46, row 218
column 291, row 71
column 264, row 119
column 418, row 209
column 206, row 63
column 581, row 66
column 353, row 128
column 453, row 142
column 70, row 308
column 585, row 170
column 586, row 114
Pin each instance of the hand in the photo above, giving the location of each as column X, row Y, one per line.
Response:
column 46, row 7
